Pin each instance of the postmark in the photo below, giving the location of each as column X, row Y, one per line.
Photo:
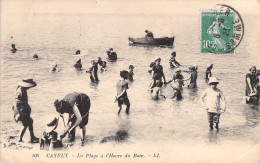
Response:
column 222, row 29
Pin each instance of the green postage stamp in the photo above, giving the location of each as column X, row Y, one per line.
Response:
column 221, row 30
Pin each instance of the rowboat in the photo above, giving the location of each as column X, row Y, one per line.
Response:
column 152, row 41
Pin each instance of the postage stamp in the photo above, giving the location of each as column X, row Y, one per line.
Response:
column 222, row 30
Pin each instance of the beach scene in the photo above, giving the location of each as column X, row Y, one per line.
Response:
column 166, row 126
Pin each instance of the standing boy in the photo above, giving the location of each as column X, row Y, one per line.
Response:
column 22, row 109
column 212, row 96
column 121, row 87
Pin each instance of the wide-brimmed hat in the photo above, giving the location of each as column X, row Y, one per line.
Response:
column 213, row 80
column 177, row 70
column 209, row 65
column 28, row 83
column 124, row 74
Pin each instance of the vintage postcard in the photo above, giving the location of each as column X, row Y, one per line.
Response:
column 130, row 81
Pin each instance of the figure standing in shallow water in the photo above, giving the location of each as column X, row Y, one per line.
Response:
column 193, row 77
column 176, row 89
column 157, row 73
column 35, row 57
column 172, row 61
column 23, row 109
column 13, row 50
column 131, row 73
column 93, row 72
column 208, row 72
column 178, row 76
column 55, row 68
column 212, row 96
column 252, row 88
column 102, row 64
column 121, row 96
column 78, row 65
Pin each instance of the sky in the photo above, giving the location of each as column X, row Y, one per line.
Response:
column 150, row 7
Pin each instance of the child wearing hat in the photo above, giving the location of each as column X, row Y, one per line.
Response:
column 22, row 110
column 121, row 96
column 211, row 100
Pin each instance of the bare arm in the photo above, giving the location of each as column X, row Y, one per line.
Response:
column 118, row 96
column 202, row 99
column 249, row 84
column 78, row 117
column 224, row 101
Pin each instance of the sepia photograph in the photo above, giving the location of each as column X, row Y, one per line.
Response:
column 130, row 81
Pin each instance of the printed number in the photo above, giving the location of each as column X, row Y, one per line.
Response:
column 228, row 46
column 206, row 44
column 224, row 33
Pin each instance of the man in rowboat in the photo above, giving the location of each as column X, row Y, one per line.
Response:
column 78, row 116
column 148, row 34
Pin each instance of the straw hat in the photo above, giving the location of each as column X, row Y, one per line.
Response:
column 213, row 80
column 27, row 83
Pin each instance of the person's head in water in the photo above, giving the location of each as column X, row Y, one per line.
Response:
column 158, row 61
column 174, row 54
column 78, row 52
column 253, row 70
column 13, row 46
column 35, row 56
column 131, row 67
column 59, row 106
column 124, row 74
column 213, row 82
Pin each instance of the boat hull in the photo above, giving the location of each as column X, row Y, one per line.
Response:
column 153, row 41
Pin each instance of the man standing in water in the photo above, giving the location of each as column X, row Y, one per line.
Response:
column 121, row 87
column 252, row 94
column 212, row 102
column 78, row 116
column 23, row 110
